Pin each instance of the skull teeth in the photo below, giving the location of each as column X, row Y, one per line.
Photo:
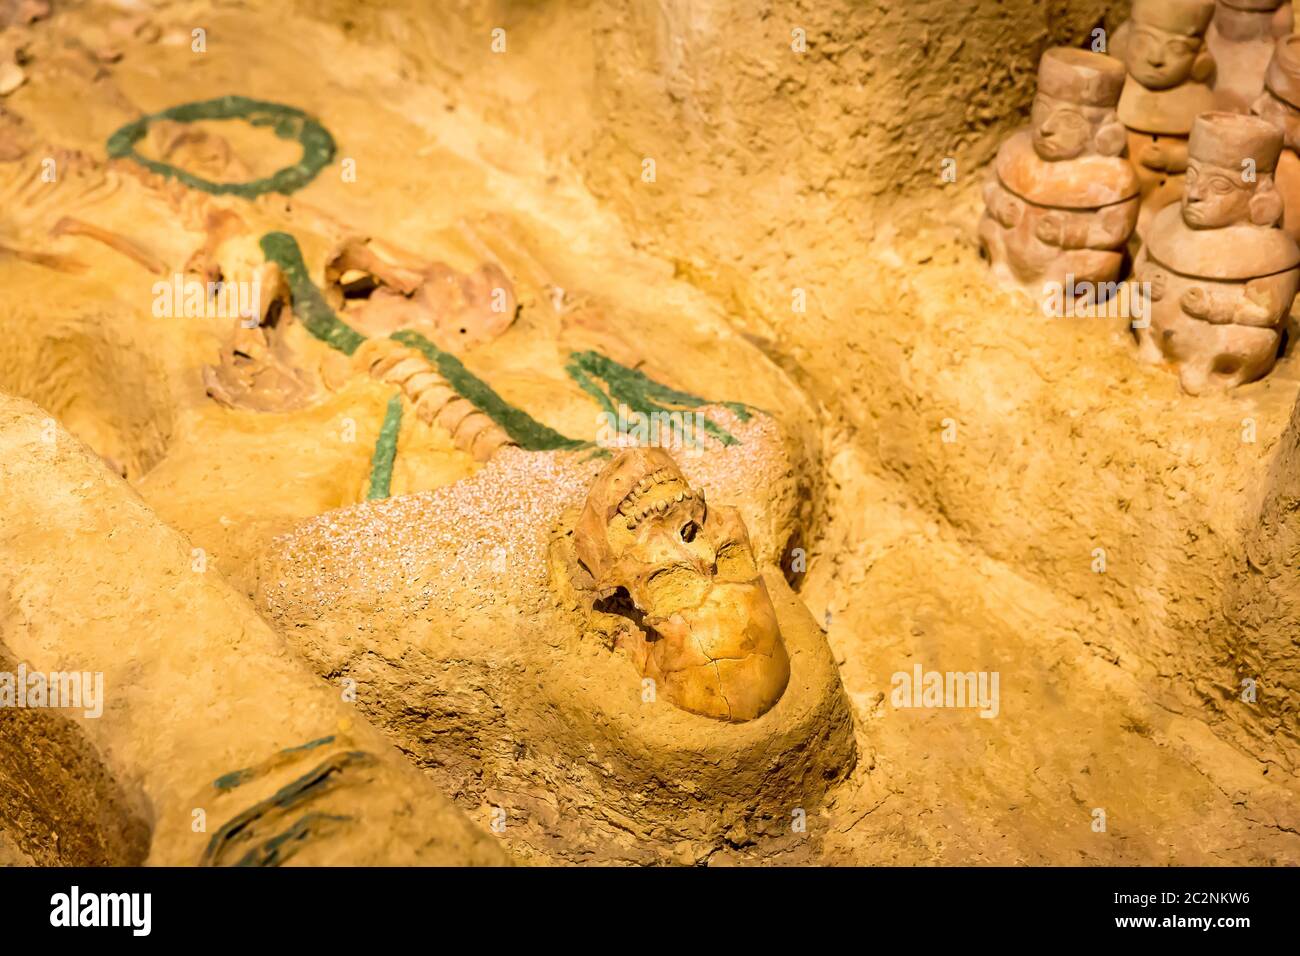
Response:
column 639, row 490
column 635, row 515
column 635, row 509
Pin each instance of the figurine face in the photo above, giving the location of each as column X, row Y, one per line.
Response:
column 1215, row 196
column 1061, row 130
column 1160, row 60
column 710, row 632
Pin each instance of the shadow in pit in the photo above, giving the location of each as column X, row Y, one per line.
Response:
column 58, row 801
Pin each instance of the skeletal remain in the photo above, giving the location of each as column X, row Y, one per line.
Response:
column 11, row 77
column 221, row 228
column 68, row 226
column 15, row 137
column 455, row 310
column 259, row 369
column 435, row 401
column 48, row 259
column 196, row 149
column 702, row 623
column 64, row 182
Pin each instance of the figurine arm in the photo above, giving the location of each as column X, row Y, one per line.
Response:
column 1148, row 286
column 1084, row 229
column 1110, row 228
column 1176, row 153
column 1261, row 306
column 1001, row 204
column 1167, row 156
column 1212, row 304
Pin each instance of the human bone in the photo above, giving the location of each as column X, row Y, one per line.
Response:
column 703, row 625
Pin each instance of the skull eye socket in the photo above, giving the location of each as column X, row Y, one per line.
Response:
column 689, row 531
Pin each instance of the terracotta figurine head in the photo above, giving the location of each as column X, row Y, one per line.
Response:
column 1280, row 101
column 1074, row 110
column 1167, row 44
column 710, row 635
column 1231, row 159
column 1240, row 39
column 1239, row 20
column 1242, row 18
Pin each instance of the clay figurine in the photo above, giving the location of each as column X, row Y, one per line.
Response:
column 1221, row 275
column 1240, row 39
column 1280, row 105
column 1060, row 201
column 1169, row 71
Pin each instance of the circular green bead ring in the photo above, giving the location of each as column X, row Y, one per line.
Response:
column 287, row 123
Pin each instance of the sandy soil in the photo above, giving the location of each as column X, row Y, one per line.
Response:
column 1119, row 690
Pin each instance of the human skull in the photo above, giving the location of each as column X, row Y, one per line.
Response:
column 686, row 574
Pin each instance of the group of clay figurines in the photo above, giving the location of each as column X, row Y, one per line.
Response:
column 1180, row 142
